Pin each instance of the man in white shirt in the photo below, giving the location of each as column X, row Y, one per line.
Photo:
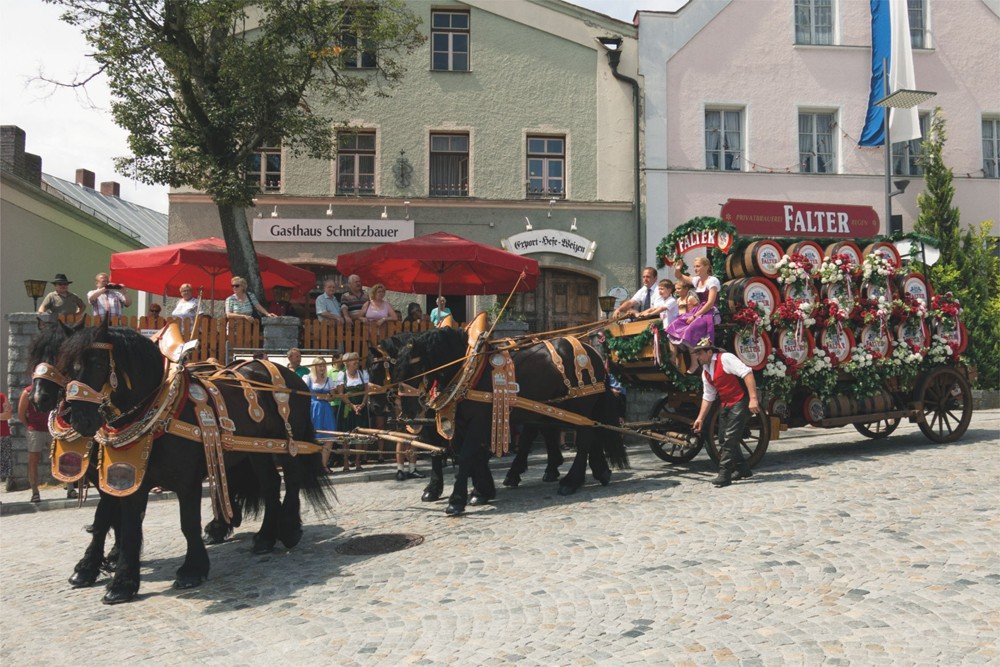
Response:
column 106, row 298
column 643, row 298
column 327, row 306
column 723, row 376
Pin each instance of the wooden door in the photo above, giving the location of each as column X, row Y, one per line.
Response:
column 562, row 299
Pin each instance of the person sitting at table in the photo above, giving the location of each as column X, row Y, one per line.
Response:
column 441, row 312
column 328, row 309
column 642, row 299
column 187, row 305
column 663, row 304
column 377, row 310
column 241, row 304
column 414, row 313
column 697, row 323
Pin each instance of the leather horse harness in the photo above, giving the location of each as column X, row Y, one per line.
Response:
column 123, row 450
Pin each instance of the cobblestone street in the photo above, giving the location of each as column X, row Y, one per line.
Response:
column 839, row 550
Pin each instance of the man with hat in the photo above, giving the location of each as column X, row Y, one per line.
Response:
column 61, row 301
column 727, row 379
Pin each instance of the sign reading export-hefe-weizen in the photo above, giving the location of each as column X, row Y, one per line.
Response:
column 754, row 217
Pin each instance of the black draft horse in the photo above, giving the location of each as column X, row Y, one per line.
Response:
column 179, row 465
column 383, row 357
column 540, row 381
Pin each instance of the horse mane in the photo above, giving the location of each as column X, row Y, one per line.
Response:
column 136, row 358
column 437, row 347
column 45, row 346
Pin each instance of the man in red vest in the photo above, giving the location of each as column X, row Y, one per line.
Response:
column 723, row 377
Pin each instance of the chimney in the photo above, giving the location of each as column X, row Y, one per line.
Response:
column 14, row 159
column 111, row 189
column 86, row 178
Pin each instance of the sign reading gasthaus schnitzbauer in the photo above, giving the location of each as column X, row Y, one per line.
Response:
column 332, row 231
column 550, row 240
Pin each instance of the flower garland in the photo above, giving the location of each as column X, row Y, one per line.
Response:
column 666, row 251
column 794, row 269
column 905, row 308
column 945, row 309
column 838, row 268
column 940, row 352
column 868, row 311
column 904, row 363
column 628, row 348
column 829, row 311
column 749, row 319
column 793, row 314
column 877, row 269
column 867, row 371
column 776, row 379
column 819, row 374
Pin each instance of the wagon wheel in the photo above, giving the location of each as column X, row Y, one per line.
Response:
column 755, row 439
column 877, row 430
column 670, row 420
column 947, row 405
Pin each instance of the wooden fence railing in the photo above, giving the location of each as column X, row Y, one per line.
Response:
column 216, row 337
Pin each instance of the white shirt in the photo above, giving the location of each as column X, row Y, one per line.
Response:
column 669, row 304
column 186, row 309
column 710, row 282
column 640, row 296
column 730, row 364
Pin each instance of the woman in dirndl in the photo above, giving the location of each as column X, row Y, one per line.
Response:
column 323, row 419
column 685, row 332
column 354, row 385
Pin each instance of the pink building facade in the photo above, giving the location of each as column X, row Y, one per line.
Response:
column 766, row 99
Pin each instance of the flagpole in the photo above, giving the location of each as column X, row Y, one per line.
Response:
column 888, row 150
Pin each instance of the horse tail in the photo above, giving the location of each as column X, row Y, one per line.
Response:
column 244, row 489
column 315, row 484
column 610, row 411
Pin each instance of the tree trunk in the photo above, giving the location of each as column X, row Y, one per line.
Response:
column 240, row 250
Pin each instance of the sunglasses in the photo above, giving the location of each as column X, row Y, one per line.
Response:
column 237, row 285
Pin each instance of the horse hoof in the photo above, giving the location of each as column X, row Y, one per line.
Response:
column 604, row 478
column 512, row 481
column 214, row 539
column 291, row 537
column 430, row 496
column 114, row 596
column 261, row 547
column 109, row 564
column 566, row 490
column 551, row 476
column 184, row 581
column 454, row 509
column 83, row 579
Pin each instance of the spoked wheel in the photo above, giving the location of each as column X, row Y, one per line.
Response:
column 753, row 444
column 877, row 430
column 679, row 420
column 947, row 405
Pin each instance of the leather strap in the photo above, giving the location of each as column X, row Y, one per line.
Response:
column 536, row 407
column 199, row 391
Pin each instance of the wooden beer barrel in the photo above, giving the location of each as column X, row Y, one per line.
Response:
column 752, row 350
column 880, row 402
column 884, row 248
column 916, row 285
column 955, row 333
column 796, row 350
column 873, row 340
column 841, row 405
column 914, row 330
column 757, row 259
column 839, row 342
column 808, row 249
column 740, row 292
column 806, row 292
column 813, row 410
column 849, row 248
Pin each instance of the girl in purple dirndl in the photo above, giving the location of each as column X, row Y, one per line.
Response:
column 687, row 330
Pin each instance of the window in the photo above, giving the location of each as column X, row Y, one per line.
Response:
column 816, row 154
column 358, row 51
column 917, row 11
column 814, row 21
column 991, row 147
column 450, row 41
column 723, row 140
column 906, row 154
column 449, row 175
column 264, row 169
column 546, row 167
column 355, row 163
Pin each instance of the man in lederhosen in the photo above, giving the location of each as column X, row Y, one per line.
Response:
column 727, row 379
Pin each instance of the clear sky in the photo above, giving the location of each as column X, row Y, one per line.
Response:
column 71, row 130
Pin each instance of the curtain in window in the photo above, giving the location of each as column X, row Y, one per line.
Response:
column 713, row 139
column 824, row 143
column 803, row 33
column 448, row 175
column 805, row 143
column 732, row 143
column 989, row 150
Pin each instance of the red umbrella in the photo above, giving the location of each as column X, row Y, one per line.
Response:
column 204, row 264
column 441, row 262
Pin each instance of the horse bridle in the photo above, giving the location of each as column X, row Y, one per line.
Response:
column 46, row 371
column 81, row 392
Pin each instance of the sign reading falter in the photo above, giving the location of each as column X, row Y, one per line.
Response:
column 550, row 240
column 332, row 231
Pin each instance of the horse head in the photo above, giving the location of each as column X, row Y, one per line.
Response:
column 48, row 382
column 425, row 363
column 381, row 359
column 110, row 372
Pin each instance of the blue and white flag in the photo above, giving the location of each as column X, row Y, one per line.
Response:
column 890, row 42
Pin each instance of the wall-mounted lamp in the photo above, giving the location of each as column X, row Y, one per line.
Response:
column 35, row 289
column 527, row 224
column 274, row 213
column 385, row 212
column 329, row 210
column 406, row 207
column 901, row 186
column 551, row 204
column 572, row 227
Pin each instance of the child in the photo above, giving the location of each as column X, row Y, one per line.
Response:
column 683, row 289
column 663, row 304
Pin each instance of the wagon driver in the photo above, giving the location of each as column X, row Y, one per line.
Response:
column 727, row 379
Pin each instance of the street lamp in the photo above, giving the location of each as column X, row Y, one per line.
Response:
column 900, row 99
column 35, row 289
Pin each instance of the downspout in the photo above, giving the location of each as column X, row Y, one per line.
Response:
column 614, row 58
